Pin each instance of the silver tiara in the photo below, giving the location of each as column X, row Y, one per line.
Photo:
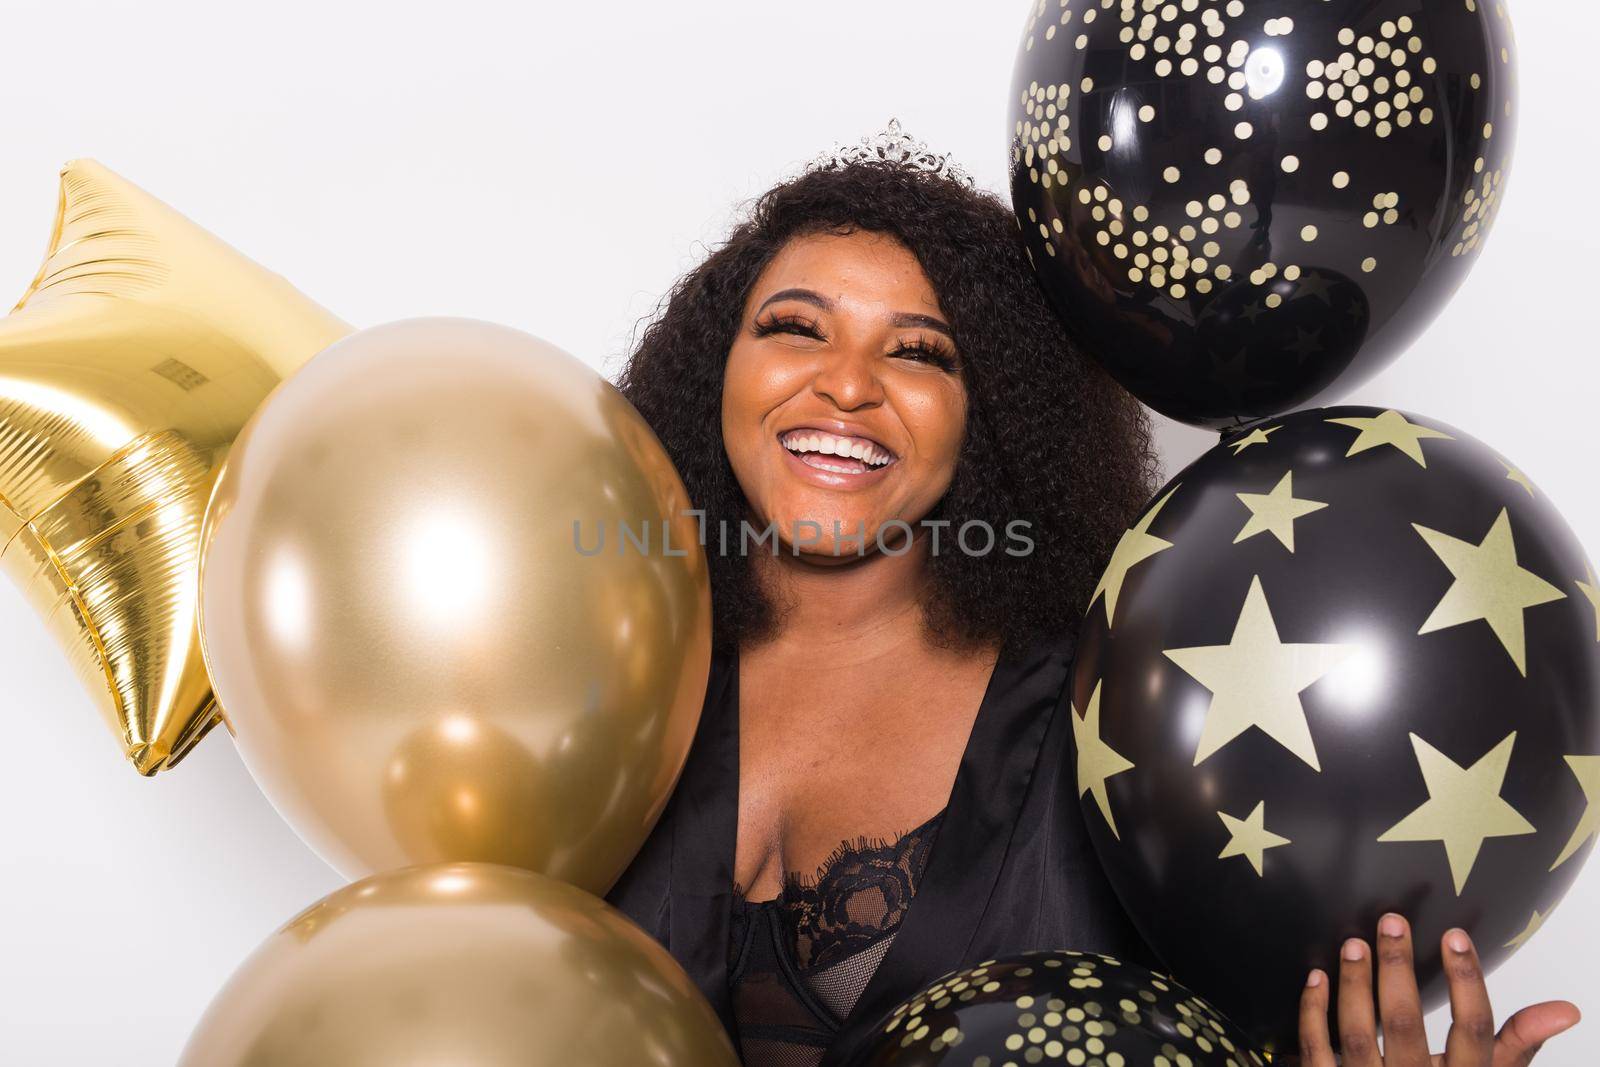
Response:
column 893, row 145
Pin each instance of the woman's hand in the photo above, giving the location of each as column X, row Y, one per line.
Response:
column 1472, row 1041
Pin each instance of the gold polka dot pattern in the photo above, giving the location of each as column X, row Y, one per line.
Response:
column 1481, row 204
column 1062, row 1007
column 1167, row 153
column 1370, row 82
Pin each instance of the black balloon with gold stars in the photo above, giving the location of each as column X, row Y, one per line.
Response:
column 1346, row 663
column 1056, row 1007
column 1234, row 204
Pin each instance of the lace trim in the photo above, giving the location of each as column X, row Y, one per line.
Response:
column 858, row 895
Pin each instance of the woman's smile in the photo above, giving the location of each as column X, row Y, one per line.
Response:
column 834, row 456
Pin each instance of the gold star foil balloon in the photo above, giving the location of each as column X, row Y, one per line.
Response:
column 126, row 371
column 1362, row 675
column 455, row 606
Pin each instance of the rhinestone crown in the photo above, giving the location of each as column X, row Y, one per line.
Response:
column 894, row 145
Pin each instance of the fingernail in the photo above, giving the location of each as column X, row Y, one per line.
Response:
column 1392, row 926
column 1314, row 978
column 1457, row 940
column 1354, row 949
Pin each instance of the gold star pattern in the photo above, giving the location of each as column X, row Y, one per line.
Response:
column 1305, row 343
column 1251, row 838
column 1313, row 285
column 1489, row 586
column 1276, row 511
column 1390, row 428
column 1097, row 760
column 1587, row 768
column 1464, row 806
column 1257, row 436
column 1135, row 546
column 1256, row 679
column 1529, row 930
column 1514, row 475
column 1592, row 591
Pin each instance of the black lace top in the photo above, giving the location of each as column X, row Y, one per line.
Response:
column 1010, row 869
column 798, row 963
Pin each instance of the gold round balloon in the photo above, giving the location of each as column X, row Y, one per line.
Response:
column 465, row 964
column 420, row 654
column 126, row 370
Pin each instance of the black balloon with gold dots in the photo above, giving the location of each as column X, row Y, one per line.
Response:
column 1345, row 663
column 1056, row 1007
column 1236, row 204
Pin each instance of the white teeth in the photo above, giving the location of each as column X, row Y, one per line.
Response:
column 835, row 445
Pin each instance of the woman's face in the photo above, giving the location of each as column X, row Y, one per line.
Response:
column 843, row 399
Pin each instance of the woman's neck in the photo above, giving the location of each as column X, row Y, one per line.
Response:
column 845, row 611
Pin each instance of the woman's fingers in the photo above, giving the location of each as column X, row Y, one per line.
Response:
column 1405, row 1039
column 1470, row 1042
column 1316, row 1050
column 1525, row 1032
column 1358, row 1031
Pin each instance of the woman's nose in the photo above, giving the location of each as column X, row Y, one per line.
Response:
column 848, row 378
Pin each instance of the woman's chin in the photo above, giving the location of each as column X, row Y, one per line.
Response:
column 817, row 540
column 837, row 537
column 829, row 555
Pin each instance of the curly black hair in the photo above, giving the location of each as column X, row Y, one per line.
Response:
column 1050, row 438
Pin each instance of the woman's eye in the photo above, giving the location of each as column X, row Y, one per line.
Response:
column 926, row 353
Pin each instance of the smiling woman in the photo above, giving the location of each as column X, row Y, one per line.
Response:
column 866, row 376
column 931, row 277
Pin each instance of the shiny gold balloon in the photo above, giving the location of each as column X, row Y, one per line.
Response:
column 126, row 371
column 465, row 965
column 416, row 660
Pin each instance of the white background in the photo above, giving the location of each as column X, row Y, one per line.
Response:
column 554, row 167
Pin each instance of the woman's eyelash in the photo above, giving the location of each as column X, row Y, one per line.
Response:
column 930, row 353
column 787, row 324
column 919, row 349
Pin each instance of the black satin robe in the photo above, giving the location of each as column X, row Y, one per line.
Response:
column 1011, row 870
